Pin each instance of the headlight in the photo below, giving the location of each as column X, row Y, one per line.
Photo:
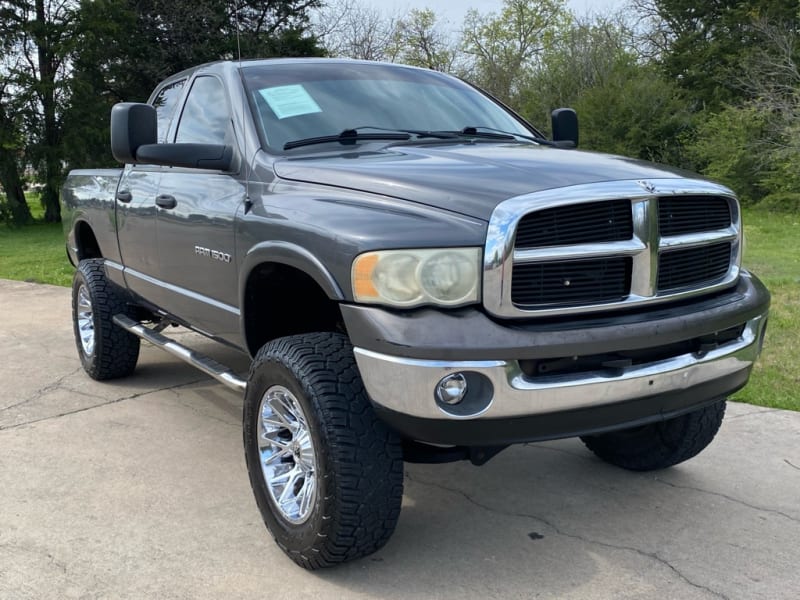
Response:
column 443, row 276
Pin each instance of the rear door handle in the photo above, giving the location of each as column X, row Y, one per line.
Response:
column 166, row 201
column 124, row 196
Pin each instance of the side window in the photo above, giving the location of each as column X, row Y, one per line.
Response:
column 205, row 117
column 165, row 103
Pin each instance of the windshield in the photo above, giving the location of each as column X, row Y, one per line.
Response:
column 303, row 100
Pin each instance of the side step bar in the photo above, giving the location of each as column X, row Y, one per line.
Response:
column 206, row 364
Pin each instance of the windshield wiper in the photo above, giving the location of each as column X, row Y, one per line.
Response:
column 348, row 136
column 491, row 132
column 423, row 133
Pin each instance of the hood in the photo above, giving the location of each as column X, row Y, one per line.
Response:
column 468, row 178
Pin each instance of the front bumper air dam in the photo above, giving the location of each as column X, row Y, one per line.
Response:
column 522, row 408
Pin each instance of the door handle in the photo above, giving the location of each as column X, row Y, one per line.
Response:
column 124, row 196
column 166, row 201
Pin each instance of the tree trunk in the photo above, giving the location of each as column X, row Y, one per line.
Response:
column 50, row 132
column 12, row 186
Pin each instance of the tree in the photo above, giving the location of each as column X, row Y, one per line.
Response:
column 507, row 46
column 422, row 42
column 701, row 45
column 11, row 145
column 624, row 105
column 754, row 145
column 124, row 48
column 38, row 33
column 352, row 29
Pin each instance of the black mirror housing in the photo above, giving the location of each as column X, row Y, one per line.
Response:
column 192, row 156
column 133, row 125
column 565, row 126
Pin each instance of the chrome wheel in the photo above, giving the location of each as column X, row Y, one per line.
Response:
column 85, row 319
column 288, row 462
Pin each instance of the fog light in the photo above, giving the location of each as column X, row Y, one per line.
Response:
column 452, row 389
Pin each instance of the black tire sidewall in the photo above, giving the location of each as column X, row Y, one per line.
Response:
column 293, row 538
column 116, row 351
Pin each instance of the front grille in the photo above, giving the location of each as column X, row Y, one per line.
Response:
column 693, row 267
column 576, row 224
column 610, row 245
column 692, row 214
column 571, row 282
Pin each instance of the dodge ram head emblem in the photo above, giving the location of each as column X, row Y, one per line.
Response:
column 647, row 186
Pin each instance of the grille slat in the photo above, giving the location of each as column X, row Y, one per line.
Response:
column 693, row 267
column 571, row 282
column 576, row 224
column 692, row 214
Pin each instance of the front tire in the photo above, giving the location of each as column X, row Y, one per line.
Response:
column 326, row 473
column 106, row 350
column 659, row 445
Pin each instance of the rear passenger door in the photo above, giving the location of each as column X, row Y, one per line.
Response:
column 195, row 219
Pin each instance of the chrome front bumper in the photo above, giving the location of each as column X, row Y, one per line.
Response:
column 407, row 386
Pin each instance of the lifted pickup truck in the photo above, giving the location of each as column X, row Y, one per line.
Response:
column 418, row 275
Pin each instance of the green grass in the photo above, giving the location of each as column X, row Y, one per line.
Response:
column 36, row 253
column 772, row 252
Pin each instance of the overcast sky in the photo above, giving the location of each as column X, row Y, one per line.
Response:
column 454, row 10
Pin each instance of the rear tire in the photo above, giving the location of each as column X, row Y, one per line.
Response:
column 106, row 350
column 326, row 473
column 659, row 445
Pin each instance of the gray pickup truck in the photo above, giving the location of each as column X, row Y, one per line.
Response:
column 418, row 274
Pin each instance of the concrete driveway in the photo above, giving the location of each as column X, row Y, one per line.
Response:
column 137, row 489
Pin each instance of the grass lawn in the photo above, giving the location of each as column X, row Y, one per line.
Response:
column 772, row 251
column 36, row 253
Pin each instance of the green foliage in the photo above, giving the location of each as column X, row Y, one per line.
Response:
column 726, row 147
column 124, row 48
column 624, row 106
column 420, row 42
column 706, row 43
column 506, row 46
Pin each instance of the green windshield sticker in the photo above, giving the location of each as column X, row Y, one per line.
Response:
column 289, row 101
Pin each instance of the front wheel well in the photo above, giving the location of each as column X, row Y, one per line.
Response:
column 280, row 300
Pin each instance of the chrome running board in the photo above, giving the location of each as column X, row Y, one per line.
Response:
column 204, row 363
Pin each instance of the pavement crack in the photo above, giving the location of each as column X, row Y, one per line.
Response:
column 114, row 401
column 729, row 498
column 31, row 549
column 43, row 390
column 788, row 462
column 650, row 555
column 195, row 409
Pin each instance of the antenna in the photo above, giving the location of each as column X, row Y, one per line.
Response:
column 248, row 204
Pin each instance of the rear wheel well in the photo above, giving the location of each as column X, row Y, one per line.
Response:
column 280, row 300
column 86, row 242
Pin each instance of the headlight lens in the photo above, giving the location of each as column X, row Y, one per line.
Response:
column 446, row 276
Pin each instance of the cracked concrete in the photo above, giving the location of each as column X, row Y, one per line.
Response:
column 137, row 488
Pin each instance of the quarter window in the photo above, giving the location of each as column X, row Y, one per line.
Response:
column 165, row 103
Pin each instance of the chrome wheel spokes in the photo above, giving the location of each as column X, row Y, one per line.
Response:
column 85, row 321
column 288, row 461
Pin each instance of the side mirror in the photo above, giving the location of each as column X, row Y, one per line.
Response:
column 565, row 126
column 193, row 156
column 132, row 125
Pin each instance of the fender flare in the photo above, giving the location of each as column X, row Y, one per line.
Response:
column 291, row 255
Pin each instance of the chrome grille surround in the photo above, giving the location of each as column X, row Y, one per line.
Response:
column 644, row 247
